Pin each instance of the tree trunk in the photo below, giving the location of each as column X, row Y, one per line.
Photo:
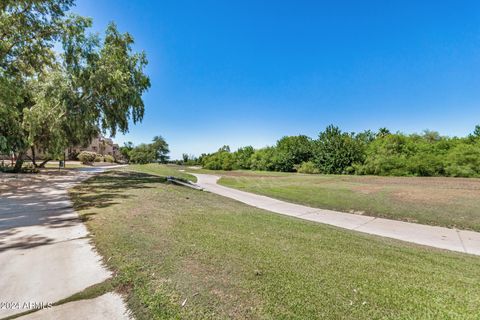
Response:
column 33, row 156
column 42, row 165
column 19, row 162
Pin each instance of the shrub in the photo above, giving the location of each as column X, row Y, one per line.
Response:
column 87, row 157
column 98, row 158
column 108, row 158
column 307, row 167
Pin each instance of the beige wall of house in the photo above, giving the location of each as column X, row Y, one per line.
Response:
column 100, row 145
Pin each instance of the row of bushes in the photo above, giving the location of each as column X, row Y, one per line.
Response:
column 87, row 157
column 376, row 153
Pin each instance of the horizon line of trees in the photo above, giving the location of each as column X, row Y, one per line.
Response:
column 363, row 153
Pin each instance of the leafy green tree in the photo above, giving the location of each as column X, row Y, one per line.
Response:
column 291, row 151
column 427, row 154
column 431, row 136
column 476, row 132
column 156, row 151
column 337, row 151
column 463, row 160
column 383, row 153
column 28, row 30
column 66, row 100
column 220, row 160
column 475, row 136
column 366, row 137
column 243, row 157
column 126, row 149
column 143, row 154
column 399, row 154
column 189, row 159
column 382, row 132
column 225, row 148
column 160, row 149
column 263, row 159
column 387, row 155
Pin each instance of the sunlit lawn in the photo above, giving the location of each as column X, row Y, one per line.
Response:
column 161, row 170
column 450, row 202
column 171, row 246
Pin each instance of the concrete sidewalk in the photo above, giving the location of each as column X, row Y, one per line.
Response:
column 45, row 249
column 438, row 237
column 107, row 306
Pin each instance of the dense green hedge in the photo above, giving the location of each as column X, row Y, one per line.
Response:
column 380, row 153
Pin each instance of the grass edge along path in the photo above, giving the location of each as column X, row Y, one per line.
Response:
column 445, row 202
column 181, row 253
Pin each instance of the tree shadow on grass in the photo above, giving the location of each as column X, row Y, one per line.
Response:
column 108, row 188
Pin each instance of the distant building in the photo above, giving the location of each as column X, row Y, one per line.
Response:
column 100, row 145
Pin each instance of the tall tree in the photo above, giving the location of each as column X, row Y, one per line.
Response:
column 337, row 151
column 67, row 99
column 160, row 149
column 292, row 150
column 28, row 30
column 126, row 149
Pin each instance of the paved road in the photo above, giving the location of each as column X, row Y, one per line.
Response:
column 438, row 237
column 45, row 250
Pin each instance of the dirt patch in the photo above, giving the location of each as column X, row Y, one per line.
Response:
column 425, row 190
column 368, row 189
column 437, row 182
column 434, row 195
column 247, row 174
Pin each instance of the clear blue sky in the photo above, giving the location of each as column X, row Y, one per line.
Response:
column 248, row 72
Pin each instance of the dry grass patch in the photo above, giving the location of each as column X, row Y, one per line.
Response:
column 450, row 202
column 179, row 253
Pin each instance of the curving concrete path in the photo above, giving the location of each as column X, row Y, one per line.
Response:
column 438, row 237
column 45, row 249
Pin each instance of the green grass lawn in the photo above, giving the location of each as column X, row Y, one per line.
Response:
column 161, row 170
column 450, row 202
column 54, row 165
column 169, row 245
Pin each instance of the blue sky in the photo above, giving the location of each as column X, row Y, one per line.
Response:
column 249, row 72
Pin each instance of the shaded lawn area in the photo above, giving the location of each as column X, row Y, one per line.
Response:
column 171, row 245
column 449, row 202
column 53, row 164
column 161, row 170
